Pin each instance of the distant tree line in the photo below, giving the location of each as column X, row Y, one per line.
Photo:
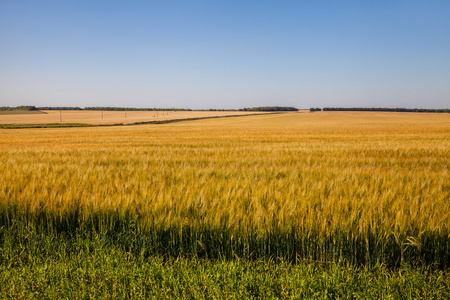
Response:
column 135, row 109
column 111, row 108
column 59, row 108
column 218, row 109
column 429, row 110
column 22, row 108
column 270, row 108
column 260, row 108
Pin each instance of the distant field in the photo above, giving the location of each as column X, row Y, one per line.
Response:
column 107, row 117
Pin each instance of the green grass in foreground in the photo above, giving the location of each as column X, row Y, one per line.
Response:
column 88, row 265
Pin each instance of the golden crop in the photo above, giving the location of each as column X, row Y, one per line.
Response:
column 325, row 172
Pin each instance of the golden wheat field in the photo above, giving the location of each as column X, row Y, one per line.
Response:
column 95, row 117
column 367, row 179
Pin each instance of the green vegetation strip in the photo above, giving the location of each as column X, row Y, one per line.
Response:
column 196, row 119
column 91, row 266
column 21, row 112
column 208, row 241
column 53, row 125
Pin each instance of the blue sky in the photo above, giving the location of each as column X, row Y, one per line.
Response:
column 225, row 54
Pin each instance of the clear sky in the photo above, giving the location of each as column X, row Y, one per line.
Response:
column 225, row 53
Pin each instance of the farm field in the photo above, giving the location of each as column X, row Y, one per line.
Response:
column 290, row 205
column 95, row 117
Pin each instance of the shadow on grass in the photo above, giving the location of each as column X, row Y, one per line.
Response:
column 125, row 231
